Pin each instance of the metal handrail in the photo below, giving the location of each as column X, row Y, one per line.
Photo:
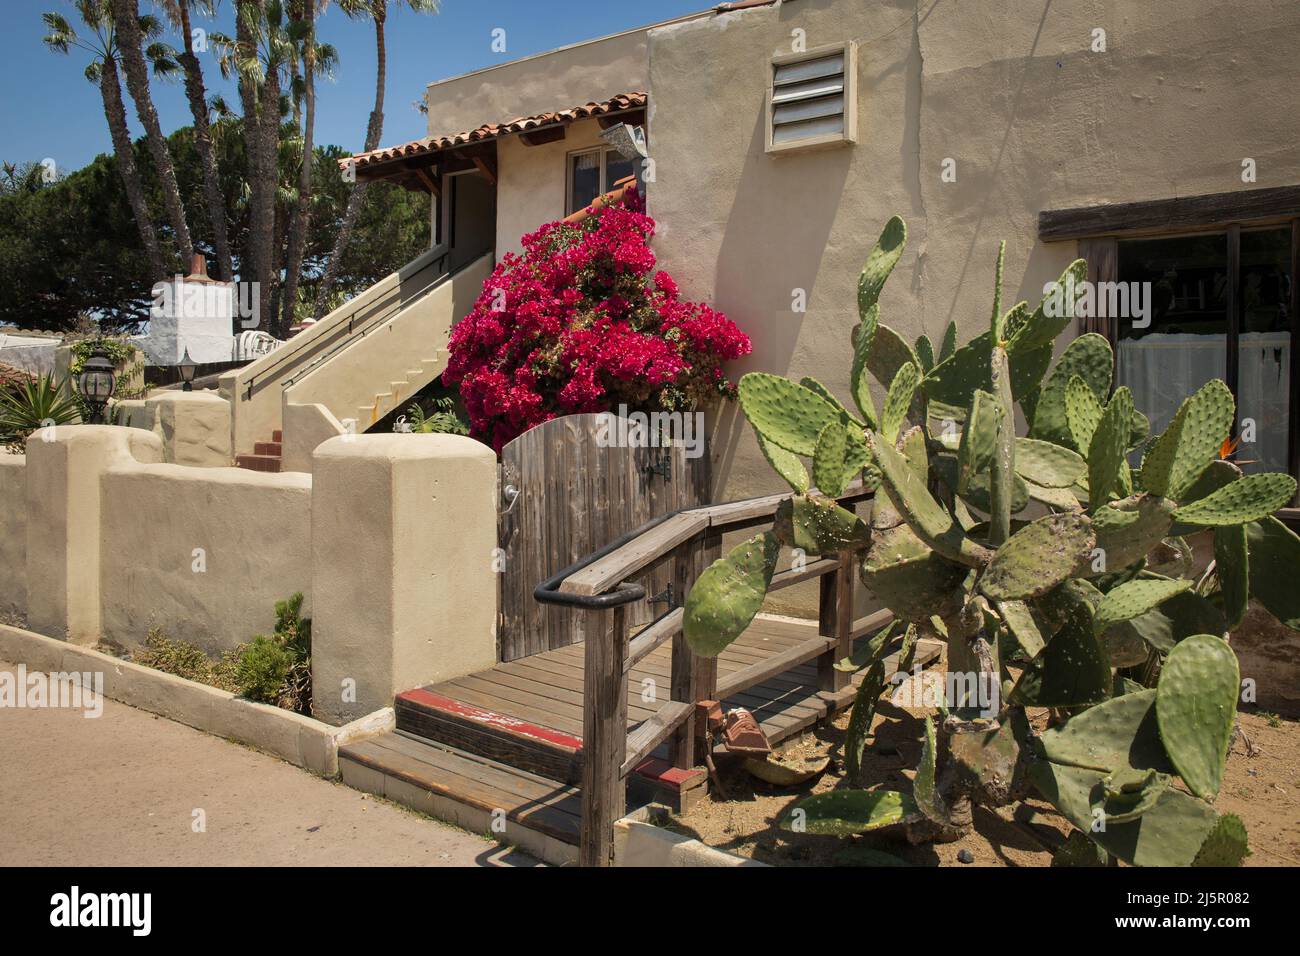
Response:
column 345, row 339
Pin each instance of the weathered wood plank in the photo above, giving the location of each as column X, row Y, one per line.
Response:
column 778, row 663
column 625, row 562
column 664, row 629
column 652, row 732
column 1170, row 215
column 604, row 735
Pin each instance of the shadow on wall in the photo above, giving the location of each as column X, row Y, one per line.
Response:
column 775, row 237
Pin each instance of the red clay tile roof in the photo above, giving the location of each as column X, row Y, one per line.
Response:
column 615, row 104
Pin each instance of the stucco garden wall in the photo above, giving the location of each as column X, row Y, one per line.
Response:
column 202, row 553
column 13, row 538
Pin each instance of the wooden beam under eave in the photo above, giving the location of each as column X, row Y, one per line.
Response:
column 487, row 167
column 428, row 181
column 544, row 134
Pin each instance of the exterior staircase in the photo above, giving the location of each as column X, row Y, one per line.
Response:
column 399, row 393
column 266, row 455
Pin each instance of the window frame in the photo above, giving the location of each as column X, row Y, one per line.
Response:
column 1099, row 231
column 605, row 186
column 849, row 134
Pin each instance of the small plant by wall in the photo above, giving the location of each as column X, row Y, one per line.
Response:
column 582, row 322
column 271, row 670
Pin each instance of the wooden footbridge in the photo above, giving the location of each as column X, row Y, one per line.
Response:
column 546, row 749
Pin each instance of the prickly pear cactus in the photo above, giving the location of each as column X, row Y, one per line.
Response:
column 1089, row 672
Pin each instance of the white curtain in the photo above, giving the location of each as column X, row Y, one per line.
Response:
column 1163, row 369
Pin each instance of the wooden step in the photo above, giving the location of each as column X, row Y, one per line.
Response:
column 538, row 814
column 258, row 462
column 513, row 740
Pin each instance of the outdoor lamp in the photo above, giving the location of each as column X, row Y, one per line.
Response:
column 187, row 368
column 96, row 383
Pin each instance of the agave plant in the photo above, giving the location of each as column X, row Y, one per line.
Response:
column 36, row 403
column 1067, row 615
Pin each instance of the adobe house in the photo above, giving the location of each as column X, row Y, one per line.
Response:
column 1157, row 142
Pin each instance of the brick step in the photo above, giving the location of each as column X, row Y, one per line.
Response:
column 258, row 462
column 542, row 816
column 274, row 448
column 277, row 436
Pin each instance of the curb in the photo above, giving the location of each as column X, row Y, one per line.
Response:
column 299, row 740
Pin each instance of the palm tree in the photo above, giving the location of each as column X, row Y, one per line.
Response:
column 259, row 53
column 101, row 44
column 316, row 60
column 178, row 12
column 376, row 10
column 126, row 17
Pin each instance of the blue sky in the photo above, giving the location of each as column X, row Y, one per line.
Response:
column 49, row 110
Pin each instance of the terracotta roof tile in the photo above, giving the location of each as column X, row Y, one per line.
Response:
column 520, row 124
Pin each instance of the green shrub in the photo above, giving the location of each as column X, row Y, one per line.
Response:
column 262, row 669
column 27, row 406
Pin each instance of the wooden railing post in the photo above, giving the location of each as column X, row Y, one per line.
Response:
column 835, row 620
column 604, row 733
column 694, row 678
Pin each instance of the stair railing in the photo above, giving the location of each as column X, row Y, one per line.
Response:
column 691, row 539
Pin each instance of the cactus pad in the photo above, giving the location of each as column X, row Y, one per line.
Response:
column 1120, row 732
column 785, row 413
column 1038, row 557
column 1040, row 329
column 1109, row 442
column 1232, row 567
column 1127, row 794
column 864, row 709
column 909, row 578
column 1082, row 412
column 1196, row 705
column 931, row 522
column 1249, row 499
column 1020, row 622
column 818, row 526
column 1048, row 464
column 1190, row 443
column 880, row 263
column 1170, row 833
column 923, row 787
column 1090, row 358
column 1132, row 598
column 1274, row 555
column 728, row 594
column 1127, row 530
column 979, row 438
column 828, row 460
column 1071, row 671
column 1225, row 845
column 862, row 339
column 899, row 400
column 785, row 464
column 844, row 812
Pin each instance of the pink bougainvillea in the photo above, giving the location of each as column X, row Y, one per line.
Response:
column 582, row 322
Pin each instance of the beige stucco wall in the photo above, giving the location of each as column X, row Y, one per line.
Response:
column 532, row 183
column 402, row 538
column 13, row 538
column 194, row 426
column 1009, row 89
column 553, row 80
column 202, row 553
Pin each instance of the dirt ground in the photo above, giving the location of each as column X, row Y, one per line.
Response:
column 129, row 788
column 1263, row 789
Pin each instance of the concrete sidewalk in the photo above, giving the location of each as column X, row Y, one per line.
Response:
column 123, row 789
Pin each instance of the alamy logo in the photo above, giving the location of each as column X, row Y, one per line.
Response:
column 1088, row 300
column 181, row 298
column 626, row 429
column 70, row 689
column 103, row 909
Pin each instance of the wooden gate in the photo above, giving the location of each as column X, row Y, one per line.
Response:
column 581, row 481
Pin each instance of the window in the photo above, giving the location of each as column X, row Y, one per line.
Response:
column 593, row 173
column 1220, row 308
column 812, row 100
